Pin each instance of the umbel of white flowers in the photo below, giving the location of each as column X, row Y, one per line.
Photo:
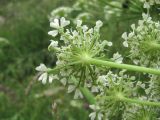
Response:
column 143, row 42
column 77, row 45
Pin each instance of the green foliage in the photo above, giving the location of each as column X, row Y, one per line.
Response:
column 23, row 41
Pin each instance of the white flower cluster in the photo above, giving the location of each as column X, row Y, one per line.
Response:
column 143, row 42
column 109, row 102
column 111, row 88
column 140, row 113
column 76, row 46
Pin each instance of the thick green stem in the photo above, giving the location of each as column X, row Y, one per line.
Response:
column 135, row 101
column 155, row 46
column 123, row 66
column 150, row 46
column 95, row 61
column 141, row 102
column 88, row 95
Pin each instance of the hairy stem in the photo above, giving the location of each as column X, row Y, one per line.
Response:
column 141, row 102
column 123, row 66
column 135, row 101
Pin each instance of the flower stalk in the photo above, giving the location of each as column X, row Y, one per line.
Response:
column 111, row 64
column 95, row 61
column 136, row 101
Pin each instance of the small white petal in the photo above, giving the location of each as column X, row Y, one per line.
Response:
column 130, row 35
column 136, row 62
column 41, row 68
column 53, row 33
column 64, row 22
column 100, row 116
column 78, row 94
column 117, row 58
column 55, row 24
column 50, row 78
column 43, row 78
column 90, row 30
column 64, row 81
column 85, row 28
column 133, row 26
column 125, row 43
column 71, row 88
column 147, row 91
column 53, row 43
column 94, row 89
column 145, row 16
column 75, row 33
column 94, row 107
column 124, row 36
column 99, row 24
column 92, row 115
column 146, row 5
column 109, row 43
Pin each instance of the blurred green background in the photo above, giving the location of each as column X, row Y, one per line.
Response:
column 24, row 25
column 23, row 46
